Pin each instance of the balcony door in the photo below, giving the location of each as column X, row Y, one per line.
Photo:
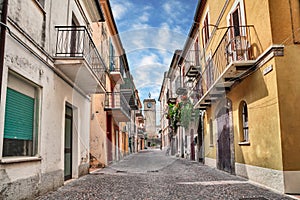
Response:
column 237, row 47
column 74, row 37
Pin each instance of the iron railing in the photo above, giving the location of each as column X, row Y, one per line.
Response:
column 230, row 49
column 128, row 89
column 115, row 64
column 140, row 130
column 193, row 59
column 75, row 41
column 127, row 85
column 116, row 100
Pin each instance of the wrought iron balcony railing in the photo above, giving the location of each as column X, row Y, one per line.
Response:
column 76, row 42
column 115, row 101
column 115, row 64
column 193, row 63
column 231, row 58
column 127, row 85
column 128, row 90
column 116, row 69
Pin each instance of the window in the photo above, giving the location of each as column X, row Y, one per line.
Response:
column 209, row 73
column 20, row 125
column 235, row 22
column 244, row 122
column 111, row 56
column 197, row 53
column 205, row 31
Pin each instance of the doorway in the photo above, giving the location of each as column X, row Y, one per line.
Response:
column 109, row 139
column 225, row 139
column 68, row 142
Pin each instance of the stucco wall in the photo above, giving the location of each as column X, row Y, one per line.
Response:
column 55, row 93
column 98, row 148
column 289, row 94
column 260, row 93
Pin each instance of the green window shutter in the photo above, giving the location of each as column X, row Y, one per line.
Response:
column 19, row 116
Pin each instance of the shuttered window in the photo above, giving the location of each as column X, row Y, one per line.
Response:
column 19, row 116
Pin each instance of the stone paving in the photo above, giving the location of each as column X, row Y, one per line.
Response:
column 152, row 175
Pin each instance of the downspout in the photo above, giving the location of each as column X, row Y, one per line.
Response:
column 2, row 40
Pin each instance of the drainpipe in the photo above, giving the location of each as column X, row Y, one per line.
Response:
column 2, row 40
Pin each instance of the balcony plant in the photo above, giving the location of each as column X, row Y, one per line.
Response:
column 188, row 114
column 174, row 115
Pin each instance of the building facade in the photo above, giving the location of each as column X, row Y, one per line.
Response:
column 242, row 67
column 113, row 111
column 51, row 67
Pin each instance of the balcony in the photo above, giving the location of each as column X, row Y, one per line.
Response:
column 141, row 132
column 116, row 69
column 192, row 64
column 232, row 60
column 78, row 58
column 128, row 91
column 171, row 99
column 140, row 118
column 117, row 106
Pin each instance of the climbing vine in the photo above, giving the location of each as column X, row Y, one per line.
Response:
column 183, row 113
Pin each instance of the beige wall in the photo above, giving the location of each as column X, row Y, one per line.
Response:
column 98, row 137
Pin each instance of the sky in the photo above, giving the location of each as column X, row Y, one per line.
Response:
column 150, row 31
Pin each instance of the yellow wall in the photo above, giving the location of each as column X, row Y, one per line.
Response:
column 260, row 94
column 210, row 150
column 270, row 119
column 280, row 20
column 288, row 71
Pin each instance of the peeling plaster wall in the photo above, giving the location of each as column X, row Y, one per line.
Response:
column 21, row 180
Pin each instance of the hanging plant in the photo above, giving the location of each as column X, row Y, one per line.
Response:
column 174, row 114
column 186, row 114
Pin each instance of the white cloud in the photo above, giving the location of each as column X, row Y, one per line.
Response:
column 120, row 9
column 150, row 33
column 144, row 17
column 150, row 59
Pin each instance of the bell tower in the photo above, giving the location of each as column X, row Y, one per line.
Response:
column 150, row 117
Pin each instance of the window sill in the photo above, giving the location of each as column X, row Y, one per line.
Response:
column 244, row 143
column 211, row 145
column 11, row 160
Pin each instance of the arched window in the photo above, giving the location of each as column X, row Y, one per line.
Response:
column 244, row 122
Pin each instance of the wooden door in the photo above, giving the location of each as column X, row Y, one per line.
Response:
column 224, row 151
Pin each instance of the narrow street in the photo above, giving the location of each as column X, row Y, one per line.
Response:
column 150, row 174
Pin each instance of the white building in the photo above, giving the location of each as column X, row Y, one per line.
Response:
column 50, row 67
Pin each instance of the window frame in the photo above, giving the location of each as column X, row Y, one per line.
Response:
column 244, row 123
column 205, row 29
column 209, row 71
column 14, row 84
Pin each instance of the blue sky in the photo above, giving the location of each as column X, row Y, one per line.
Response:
column 151, row 30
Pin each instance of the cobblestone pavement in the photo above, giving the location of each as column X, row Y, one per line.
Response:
column 151, row 175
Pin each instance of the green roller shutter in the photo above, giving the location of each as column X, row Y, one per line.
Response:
column 19, row 116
